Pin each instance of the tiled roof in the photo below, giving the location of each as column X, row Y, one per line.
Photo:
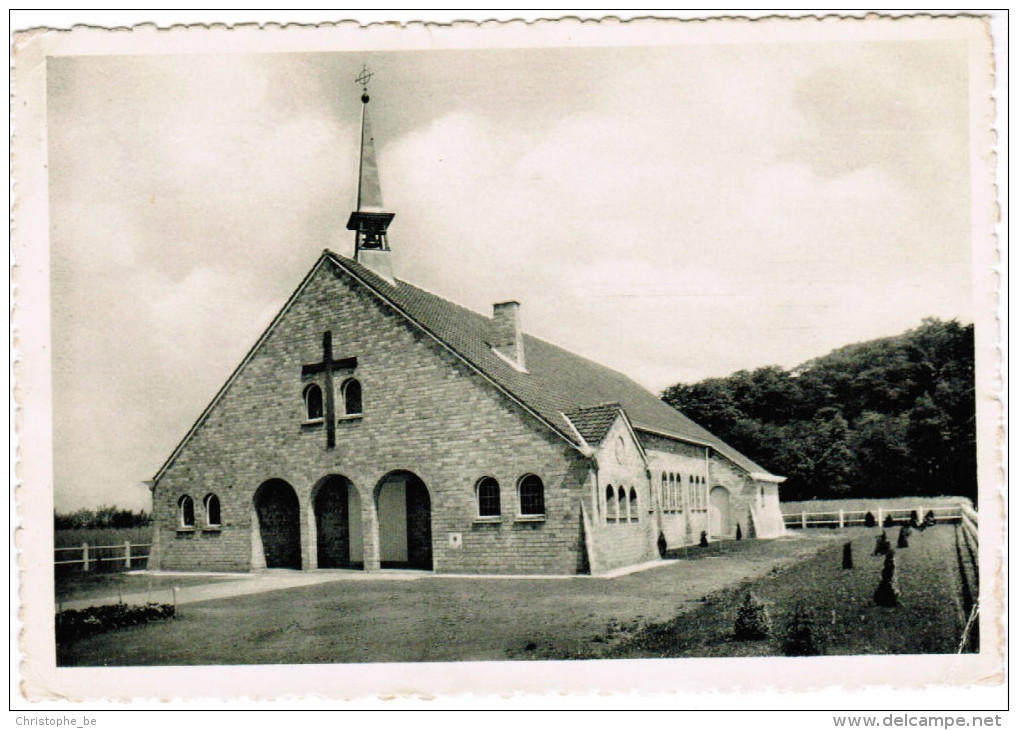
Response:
column 593, row 423
column 556, row 381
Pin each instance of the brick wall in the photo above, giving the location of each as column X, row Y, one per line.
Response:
column 680, row 525
column 424, row 412
column 618, row 542
column 740, row 488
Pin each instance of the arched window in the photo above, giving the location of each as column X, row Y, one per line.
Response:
column 185, row 513
column 611, row 509
column 623, row 505
column 313, row 402
column 531, row 490
column 489, row 498
column 664, row 492
column 212, row 514
column 351, row 391
column 673, row 502
column 679, row 501
column 634, row 506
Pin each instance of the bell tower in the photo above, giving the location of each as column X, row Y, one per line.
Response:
column 370, row 220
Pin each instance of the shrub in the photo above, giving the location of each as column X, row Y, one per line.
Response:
column 738, row 531
column 662, row 544
column 870, row 520
column 887, row 592
column 903, row 534
column 883, row 544
column 928, row 521
column 846, row 557
column 703, row 538
column 913, row 519
column 888, row 521
column 77, row 624
column 752, row 621
column 803, row 636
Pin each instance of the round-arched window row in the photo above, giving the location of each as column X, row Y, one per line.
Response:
column 672, row 495
column 212, row 512
column 529, row 493
column 621, row 505
column 351, row 401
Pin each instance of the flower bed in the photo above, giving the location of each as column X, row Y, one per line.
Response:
column 77, row 624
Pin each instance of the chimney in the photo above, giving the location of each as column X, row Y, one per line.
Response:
column 507, row 336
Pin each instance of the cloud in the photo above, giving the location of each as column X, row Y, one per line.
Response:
column 724, row 208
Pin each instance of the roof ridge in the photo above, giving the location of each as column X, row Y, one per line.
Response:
column 551, row 387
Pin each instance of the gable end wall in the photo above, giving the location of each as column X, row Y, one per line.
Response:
column 424, row 411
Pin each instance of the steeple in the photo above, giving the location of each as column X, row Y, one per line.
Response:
column 370, row 220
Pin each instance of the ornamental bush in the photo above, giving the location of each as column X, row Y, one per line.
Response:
column 888, row 521
column 738, row 531
column 870, row 520
column 752, row 622
column 846, row 557
column 913, row 519
column 803, row 635
column 928, row 521
column 883, row 544
column 887, row 593
column 903, row 534
column 703, row 538
column 662, row 544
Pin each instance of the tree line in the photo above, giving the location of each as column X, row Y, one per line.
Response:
column 888, row 417
column 102, row 518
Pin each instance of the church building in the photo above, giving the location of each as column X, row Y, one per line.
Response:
column 376, row 425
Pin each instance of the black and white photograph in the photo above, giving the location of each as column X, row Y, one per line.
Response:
column 488, row 347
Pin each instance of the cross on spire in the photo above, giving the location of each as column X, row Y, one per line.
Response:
column 363, row 78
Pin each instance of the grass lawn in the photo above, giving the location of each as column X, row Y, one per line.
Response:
column 930, row 619
column 434, row 618
column 684, row 608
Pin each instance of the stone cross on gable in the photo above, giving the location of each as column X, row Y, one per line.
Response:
column 327, row 366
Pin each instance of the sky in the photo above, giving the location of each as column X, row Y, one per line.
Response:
column 675, row 212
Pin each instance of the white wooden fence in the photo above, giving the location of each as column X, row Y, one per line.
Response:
column 90, row 556
column 857, row 518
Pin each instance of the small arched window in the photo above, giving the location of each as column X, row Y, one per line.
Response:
column 611, row 509
column 212, row 513
column 351, row 390
column 679, row 502
column 634, row 506
column 313, row 402
column 531, row 490
column 623, row 505
column 664, row 492
column 185, row 513
column 489, row 498
column 674, row 481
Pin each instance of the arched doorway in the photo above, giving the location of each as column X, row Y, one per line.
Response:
column 720, row 512
column 278, row 514
column 338, row 524
column 404, row 521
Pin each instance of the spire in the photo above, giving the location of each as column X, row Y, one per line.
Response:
column 370, row 220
